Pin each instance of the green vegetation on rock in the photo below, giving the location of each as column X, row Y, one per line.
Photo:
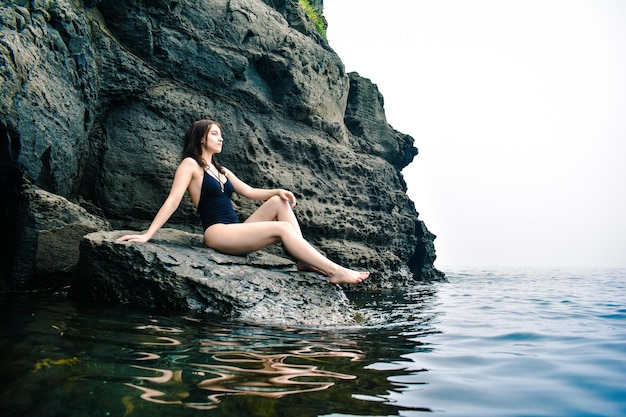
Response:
column 315, row 15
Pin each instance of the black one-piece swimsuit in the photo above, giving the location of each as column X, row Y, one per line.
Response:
column 215, row 206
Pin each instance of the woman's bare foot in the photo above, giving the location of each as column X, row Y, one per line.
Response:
column 347, row 276
column 304, row 267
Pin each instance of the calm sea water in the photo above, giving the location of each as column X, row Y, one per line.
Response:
column 491, row 342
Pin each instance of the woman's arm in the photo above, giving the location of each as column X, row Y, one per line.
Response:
column 182, row 179
column 263, row 194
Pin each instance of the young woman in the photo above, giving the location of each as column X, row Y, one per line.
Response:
column 210, row 186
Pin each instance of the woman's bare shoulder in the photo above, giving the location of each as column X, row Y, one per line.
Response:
column 189, row 164
column 189, row 161
column 229, row 173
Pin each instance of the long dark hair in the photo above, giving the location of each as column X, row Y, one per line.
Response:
column 192, row 144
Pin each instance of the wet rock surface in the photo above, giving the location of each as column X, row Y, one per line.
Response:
column 176, row 271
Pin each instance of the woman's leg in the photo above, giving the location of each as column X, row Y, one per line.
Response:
column 243, row 238
column 276, row 208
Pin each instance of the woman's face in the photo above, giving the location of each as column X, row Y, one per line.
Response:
column 213, row 139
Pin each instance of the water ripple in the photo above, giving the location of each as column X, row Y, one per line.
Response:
column 492, row 342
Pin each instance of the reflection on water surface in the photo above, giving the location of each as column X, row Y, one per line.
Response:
column 517, row 342
column 64, row 358
column 224, row 364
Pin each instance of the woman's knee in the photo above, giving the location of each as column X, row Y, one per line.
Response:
column 285, row 228
column 278, row 202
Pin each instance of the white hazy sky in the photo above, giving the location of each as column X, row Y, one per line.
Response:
column 518, row 109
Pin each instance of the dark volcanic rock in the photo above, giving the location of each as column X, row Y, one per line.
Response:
column 51, row 235
column 176, row 271
column 365, row 118
column 95, row 99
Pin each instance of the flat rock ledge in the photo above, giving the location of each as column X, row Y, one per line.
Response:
column 175, row 271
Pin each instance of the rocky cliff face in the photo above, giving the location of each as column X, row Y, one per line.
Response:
column 96, row 95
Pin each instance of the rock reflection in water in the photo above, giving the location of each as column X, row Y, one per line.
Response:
column 121, row 361
column 229, row 364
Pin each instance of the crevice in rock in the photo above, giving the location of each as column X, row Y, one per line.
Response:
column 11, row 203
column 45, row 179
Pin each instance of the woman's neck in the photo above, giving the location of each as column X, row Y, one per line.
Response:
column 208, row 158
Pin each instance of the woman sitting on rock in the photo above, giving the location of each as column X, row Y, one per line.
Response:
column 210, row 186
